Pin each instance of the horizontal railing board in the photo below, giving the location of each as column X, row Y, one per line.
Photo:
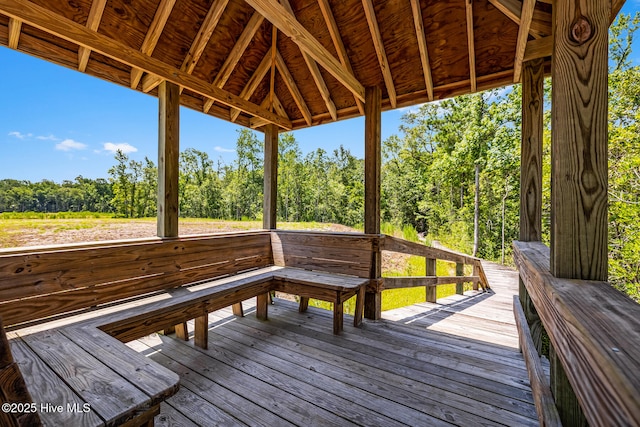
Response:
column 595, row 330
column 394, row 244
column 419, row 281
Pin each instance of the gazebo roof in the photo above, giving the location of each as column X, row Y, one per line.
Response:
column 296, row 63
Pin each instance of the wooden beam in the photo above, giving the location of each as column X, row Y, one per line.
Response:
column 422, row 46
column 93, row 22
column 278, row 108
column 254, row 81
column 616, row 5
column 579, row 140
column 293, row 88
column 531, row 151
column 523, row 35
column 337, row 42
column 15, row 27
column 539, row 48
column 151, row 40
column 380, row 52
column 168, row 154
column 315, row 72
column 288, row 24
column 372, row 166
column 270, row 177
column 472, row 46
column 541, row 23
column 51, row 22
column 236, row 53
column 272, row 75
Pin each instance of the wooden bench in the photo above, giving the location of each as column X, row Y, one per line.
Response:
column 93, row 297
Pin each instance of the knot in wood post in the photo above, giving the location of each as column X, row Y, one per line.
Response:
column 581, row 30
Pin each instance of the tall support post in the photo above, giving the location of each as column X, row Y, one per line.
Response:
column 531, row 177
column 578, row 161
column 372, row 166
column 270, row 177
column 168, row 153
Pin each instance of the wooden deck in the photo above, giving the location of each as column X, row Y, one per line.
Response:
column 451, row 363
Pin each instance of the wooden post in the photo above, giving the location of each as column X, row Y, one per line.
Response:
column 578, row 159
column 372, row 166
column 432, row 291
column 459, row 272
column 168, row 154
column 270, row 177
column 201, row 331
column 531, row 177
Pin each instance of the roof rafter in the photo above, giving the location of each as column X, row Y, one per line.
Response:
column 151, row 38
column 15, row 27
column 258, row 122
column 254, row 81
column 541, row 23
column 380, row 52
column 293, row 88
column 523, row 35
column 538, row 48
column 69, row 30
column 330, row 20
column 472, row 46
column 272, row 77
column 288, row 24
column 93, row 22
column 315, row 73
column 236, row 53
column 616, row 5
column 422, row 46
column 199, row 42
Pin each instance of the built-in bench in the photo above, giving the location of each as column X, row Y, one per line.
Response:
column 93, row 297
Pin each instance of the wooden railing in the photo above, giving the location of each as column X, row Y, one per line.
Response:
column 431, row 280
column 595, row 333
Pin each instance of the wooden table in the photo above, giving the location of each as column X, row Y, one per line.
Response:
column 84, row 377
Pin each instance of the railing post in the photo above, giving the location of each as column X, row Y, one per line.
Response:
column 476, row 273
column 459, row 272
column 432, row 291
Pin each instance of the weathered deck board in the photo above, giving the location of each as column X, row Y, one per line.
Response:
column 290, row 370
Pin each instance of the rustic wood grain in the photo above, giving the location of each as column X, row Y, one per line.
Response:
column 270, row 194
column 579, row 192
column 168, row 162
column 594, row 330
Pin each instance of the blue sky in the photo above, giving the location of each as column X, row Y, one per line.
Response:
column 57, row 123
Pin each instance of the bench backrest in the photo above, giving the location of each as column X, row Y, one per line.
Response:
column 344, row 253
column 37, row 283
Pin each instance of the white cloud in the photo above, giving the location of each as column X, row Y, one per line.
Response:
column 47, row 138
column 224, row 150
column 20, row 135
column 69, row 145
column 125, row 147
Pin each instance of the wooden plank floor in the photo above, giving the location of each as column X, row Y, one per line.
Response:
column 451, row 363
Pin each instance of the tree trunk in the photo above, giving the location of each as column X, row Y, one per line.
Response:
column 476, row 213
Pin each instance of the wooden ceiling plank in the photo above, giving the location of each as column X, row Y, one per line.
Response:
column 69, row 30
column 472, row 47
column 422, row 46
column 236, row 53
column 336, row 37
column 254, row 81
column 538, row 48
column 523, row 35
column 93, row 22
column 512, row 9
column 315, row 72
column 15, row 27
column 293, row 88
column 149, row 44
column 290, row 26
column 380, row 52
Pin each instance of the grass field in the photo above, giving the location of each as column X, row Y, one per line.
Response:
column 36, row 229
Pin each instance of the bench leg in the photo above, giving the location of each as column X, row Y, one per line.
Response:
column 304, row 304
column 170, row 330
column 357, row 316
column 237, row 309
column 145, row 419
column 182, row 332
column 262, row 304
column 337, row 317
column 201, row 333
